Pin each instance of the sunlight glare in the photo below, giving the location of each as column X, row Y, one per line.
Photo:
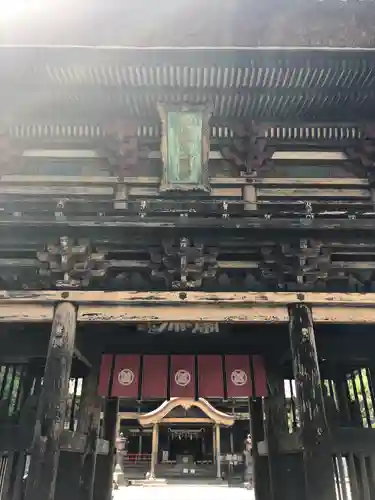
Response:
column 14, row 9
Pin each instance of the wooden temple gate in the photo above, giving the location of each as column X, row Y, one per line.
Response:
column 230, row 183
column 317, row 439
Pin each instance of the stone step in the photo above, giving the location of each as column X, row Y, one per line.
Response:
column 149, row 482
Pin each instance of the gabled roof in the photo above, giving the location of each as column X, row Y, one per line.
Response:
column 165, row 408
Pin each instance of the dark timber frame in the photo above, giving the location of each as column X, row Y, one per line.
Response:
column 277, row 247
column 317, row 440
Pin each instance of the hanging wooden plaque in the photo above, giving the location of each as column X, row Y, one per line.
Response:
column 185, row 147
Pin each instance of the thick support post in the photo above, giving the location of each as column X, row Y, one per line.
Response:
column 105, row 464
column 275, row 426
column 261, row 479
column 89, row 423
column 318, row 464
column 218, row 451
column 45, row 452
column 285, row 469
column 154, row 453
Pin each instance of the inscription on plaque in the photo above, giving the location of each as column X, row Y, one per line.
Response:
column 185, row 147
column 175, row 327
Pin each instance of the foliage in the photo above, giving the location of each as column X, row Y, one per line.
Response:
column 10, row 380
column 360, row 391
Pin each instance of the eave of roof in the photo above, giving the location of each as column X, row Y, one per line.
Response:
column 255, row 82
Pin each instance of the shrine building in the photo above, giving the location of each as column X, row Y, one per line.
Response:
column 187, row 247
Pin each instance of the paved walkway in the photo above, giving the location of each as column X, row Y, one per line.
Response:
column 183, row 492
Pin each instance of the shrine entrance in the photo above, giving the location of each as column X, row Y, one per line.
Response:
column 186, row 438
column 194, row 441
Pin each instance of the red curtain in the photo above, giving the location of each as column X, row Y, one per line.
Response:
column 105, row 375
column 210, row 377
column 126, row 376
column 260, row 379
column 155, row 377
column 237, row 368
column 182, row 376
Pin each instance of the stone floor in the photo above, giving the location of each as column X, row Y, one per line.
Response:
column 182, row 492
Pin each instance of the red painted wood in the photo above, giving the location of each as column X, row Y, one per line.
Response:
column 126, row 376
column 155, row 377
column 182, row 376
column 237, row 368
column 210, row 376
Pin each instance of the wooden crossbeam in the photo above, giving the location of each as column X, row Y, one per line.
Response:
column 130, row 298
column 133, row 307
column 365, row 223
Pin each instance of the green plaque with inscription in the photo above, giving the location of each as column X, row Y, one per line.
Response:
column 185, row 147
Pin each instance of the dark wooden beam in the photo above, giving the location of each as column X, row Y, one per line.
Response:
column 361, row 221
column 45, row 451
column 314, row 427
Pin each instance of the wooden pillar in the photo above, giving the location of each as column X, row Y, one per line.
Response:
column 89, row 423
column 261, row 479
column 318, row 464
column 155, row 449
column 140, row 442
column 285, row 469
column 214, row 444
column 105, row 464
column 45, row 451
column 218, row 451
column 231, row 440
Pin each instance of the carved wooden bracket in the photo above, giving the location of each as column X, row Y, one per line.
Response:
column 75, row 263
column 184, row 265
column 121, row 147
column 249, row 149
